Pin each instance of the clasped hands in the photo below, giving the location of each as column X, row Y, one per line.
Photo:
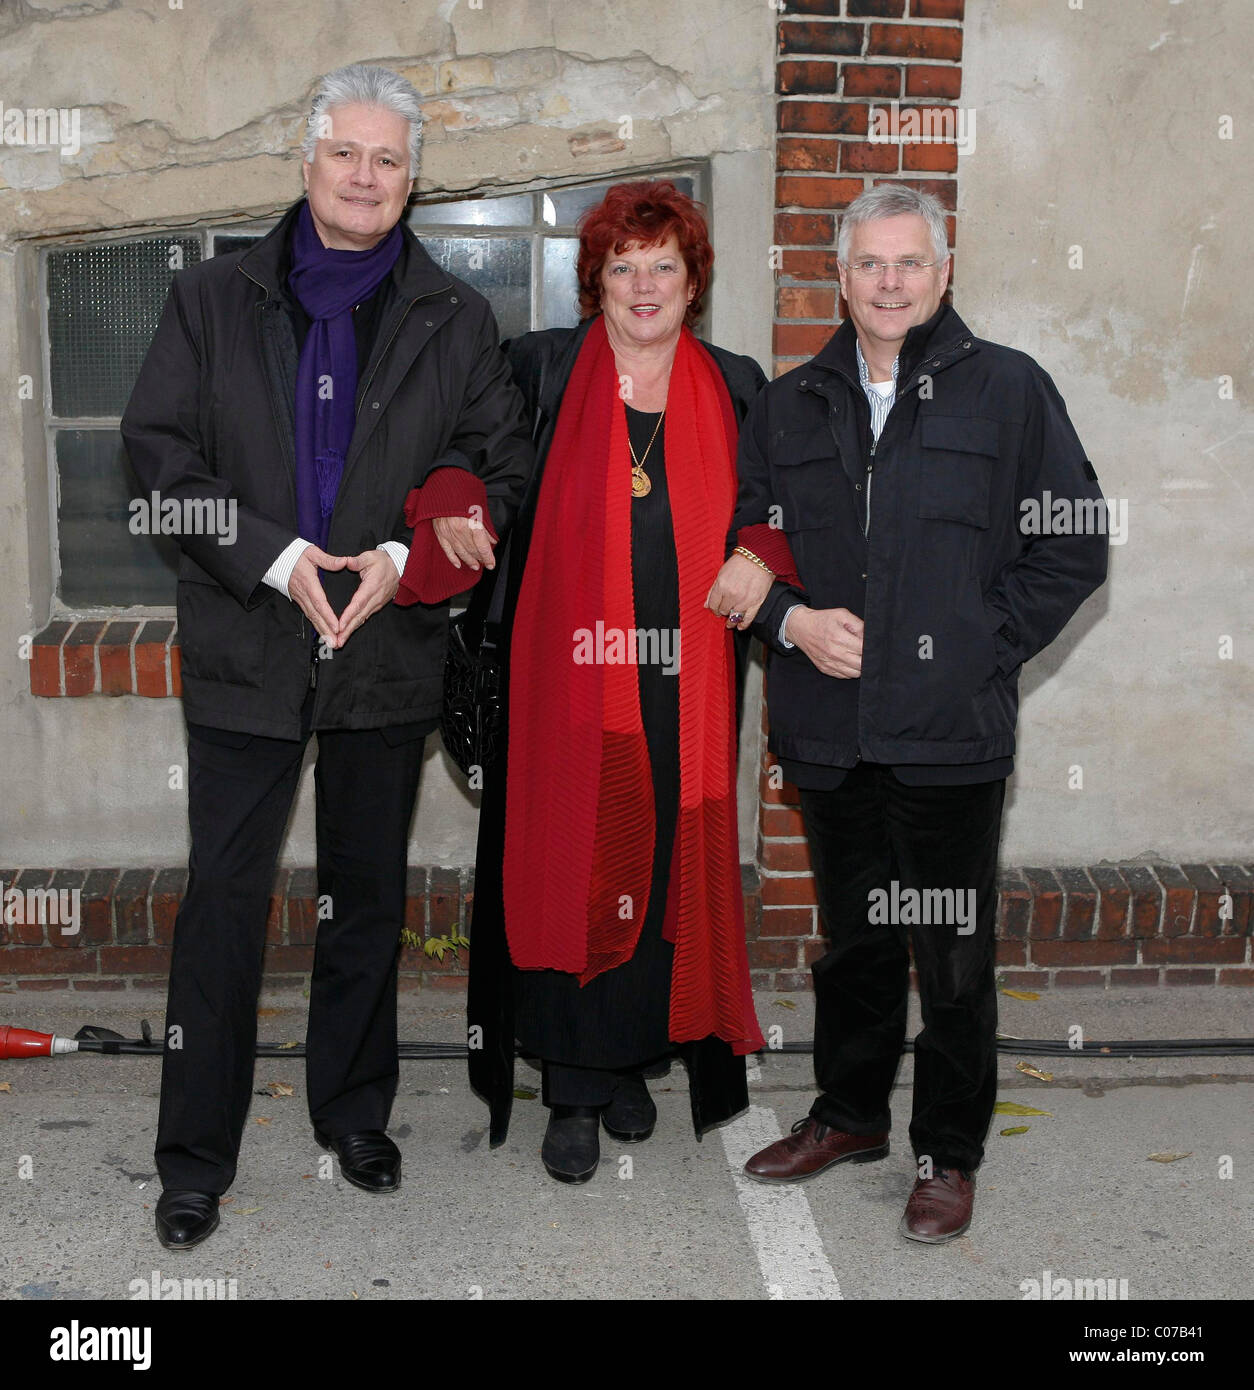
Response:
column 464, row 540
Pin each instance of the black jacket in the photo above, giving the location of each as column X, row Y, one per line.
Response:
column 920, row 537
column 212, row 416
column 542, row 364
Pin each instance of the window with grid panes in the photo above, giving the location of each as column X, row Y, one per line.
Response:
column 103, row 301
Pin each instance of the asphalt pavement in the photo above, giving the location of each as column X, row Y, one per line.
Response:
column 1076, row 1196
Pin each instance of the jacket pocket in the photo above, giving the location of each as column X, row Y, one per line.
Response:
column 408, row 644
column 219, row 640
column 956, row 468
column 804, row 475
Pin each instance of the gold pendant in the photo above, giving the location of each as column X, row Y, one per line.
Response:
column 640, row 484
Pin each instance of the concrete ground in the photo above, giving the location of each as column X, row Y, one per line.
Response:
column 1076, row 1195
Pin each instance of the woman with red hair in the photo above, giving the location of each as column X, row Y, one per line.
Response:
column 608, row 924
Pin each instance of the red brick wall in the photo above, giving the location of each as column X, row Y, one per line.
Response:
column 838, row 60
column 836, row 63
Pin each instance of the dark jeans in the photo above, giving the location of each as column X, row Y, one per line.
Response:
column 240, row 791
column 869, row 833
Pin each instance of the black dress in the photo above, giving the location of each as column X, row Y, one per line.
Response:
column 542, row 363
column 619, row 1019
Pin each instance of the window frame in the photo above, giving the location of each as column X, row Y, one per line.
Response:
column 536, row 230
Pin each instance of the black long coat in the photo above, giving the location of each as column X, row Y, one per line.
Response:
column 542, row 363
column 212, row 418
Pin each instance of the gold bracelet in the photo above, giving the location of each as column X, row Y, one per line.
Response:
column 749, row 555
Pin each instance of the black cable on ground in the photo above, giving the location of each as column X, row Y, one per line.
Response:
column 104, row 1040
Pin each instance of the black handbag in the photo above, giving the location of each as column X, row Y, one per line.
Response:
column 472, row 718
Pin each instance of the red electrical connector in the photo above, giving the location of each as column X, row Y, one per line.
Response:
column 22, row 1042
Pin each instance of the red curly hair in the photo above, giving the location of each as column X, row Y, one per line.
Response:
column 643, row 214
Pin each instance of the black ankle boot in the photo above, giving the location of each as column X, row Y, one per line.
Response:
column 571, row 1148
column 631, row 1113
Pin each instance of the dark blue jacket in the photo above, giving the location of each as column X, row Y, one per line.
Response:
column 919, row 535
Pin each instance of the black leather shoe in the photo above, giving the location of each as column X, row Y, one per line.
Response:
column 571, row 1148
column 369, row 1160
column 185, row 1218
column 631, row 1113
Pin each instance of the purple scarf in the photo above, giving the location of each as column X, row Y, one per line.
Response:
column 328, row 284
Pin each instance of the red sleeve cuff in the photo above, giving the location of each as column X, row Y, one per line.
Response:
column 771, row 546
column 430, row 577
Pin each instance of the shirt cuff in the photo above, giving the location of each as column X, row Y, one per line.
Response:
column 279, row 573
column 783, row 627
column 399, row 553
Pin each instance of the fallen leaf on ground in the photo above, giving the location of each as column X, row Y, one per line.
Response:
column 279, row 1088
column 1017, row 1129
column 262, row 1120
column 1021, row 993
column 1169, row 1158
column 522, row 1093
column 4, row 1086
column 1011, row 1107
column 1028, row 1070
column 285, row 1046
column 783, row 1003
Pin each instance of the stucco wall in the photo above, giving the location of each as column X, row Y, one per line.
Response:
column 1097, row 128
column 190, row 115
column 1100, row 128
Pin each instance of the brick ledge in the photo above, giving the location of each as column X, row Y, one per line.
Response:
column 1109, row 925
column 96, row 656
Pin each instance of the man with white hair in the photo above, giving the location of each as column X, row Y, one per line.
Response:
column 900, row 462
column 347, row 399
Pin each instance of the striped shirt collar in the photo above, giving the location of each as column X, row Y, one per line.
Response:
column 880, row 402
column 864, row 372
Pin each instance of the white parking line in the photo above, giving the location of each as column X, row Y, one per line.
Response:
column 781, row 1226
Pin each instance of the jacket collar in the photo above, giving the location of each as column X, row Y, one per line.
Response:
column 415, row 274
column 553, row 387
column 937, row 341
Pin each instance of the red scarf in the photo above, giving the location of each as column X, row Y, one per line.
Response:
column 579, row 830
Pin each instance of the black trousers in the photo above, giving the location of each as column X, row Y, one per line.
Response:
column 871, row 840
column 563, row 1085
column 240, row 792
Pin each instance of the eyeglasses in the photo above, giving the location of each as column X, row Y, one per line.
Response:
column 868, row 268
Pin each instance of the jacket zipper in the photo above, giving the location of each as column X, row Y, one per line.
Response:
column 870, row 464
column 909, row 386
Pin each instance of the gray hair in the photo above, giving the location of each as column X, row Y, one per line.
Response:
column 891, row 200
column 361, row 84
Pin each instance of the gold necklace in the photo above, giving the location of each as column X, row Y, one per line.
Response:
column 640, row 484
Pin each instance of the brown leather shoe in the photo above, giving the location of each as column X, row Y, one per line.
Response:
column 939, row 1207
column 811, row 1148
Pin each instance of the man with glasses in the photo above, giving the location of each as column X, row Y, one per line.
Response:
column 902, row 462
